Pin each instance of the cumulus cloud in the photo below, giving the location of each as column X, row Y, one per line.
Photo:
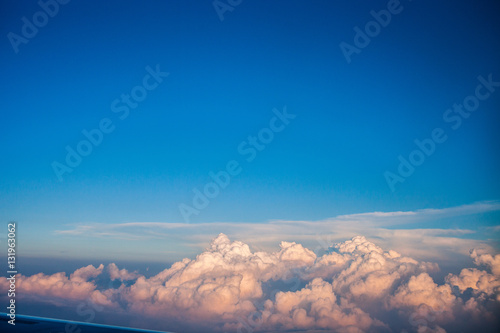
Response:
column 478, row 281
column 121, row 274
column 421, row 290
column 58, row 286
column 487, row 259
column 83, row 274
column 357, row 286
column 314, row 307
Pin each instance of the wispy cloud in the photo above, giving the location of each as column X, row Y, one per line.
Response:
column 390, row 227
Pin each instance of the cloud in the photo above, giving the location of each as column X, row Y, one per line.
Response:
column 83, row 274
column 58, row 286
column 314, row 307
column 121, row 274
column 487, row 259
column 390, row 227
column 143, row 230
column 422, row 290
column 356, row 286
column 478, row 281
column 372, row 272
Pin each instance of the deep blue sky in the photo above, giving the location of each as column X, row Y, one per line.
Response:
column 353, row 120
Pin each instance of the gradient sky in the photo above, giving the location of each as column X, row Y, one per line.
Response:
column 353, row 120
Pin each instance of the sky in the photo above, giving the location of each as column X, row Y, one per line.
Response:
column 136, row 132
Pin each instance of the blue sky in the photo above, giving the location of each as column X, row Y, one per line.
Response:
column 225, row 78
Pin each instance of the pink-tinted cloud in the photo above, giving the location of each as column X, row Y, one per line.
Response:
column 58, row 286
column 356, row 287
column 121, row 274
column 487, row 259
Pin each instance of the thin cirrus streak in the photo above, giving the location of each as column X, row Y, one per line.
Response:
column 373, row 218
column 404, row 231
column 355, row 287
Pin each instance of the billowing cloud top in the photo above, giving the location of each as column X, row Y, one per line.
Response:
column 355, row 287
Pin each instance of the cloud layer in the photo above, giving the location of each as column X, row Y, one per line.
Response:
column 421, row 234
column 355, row 287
